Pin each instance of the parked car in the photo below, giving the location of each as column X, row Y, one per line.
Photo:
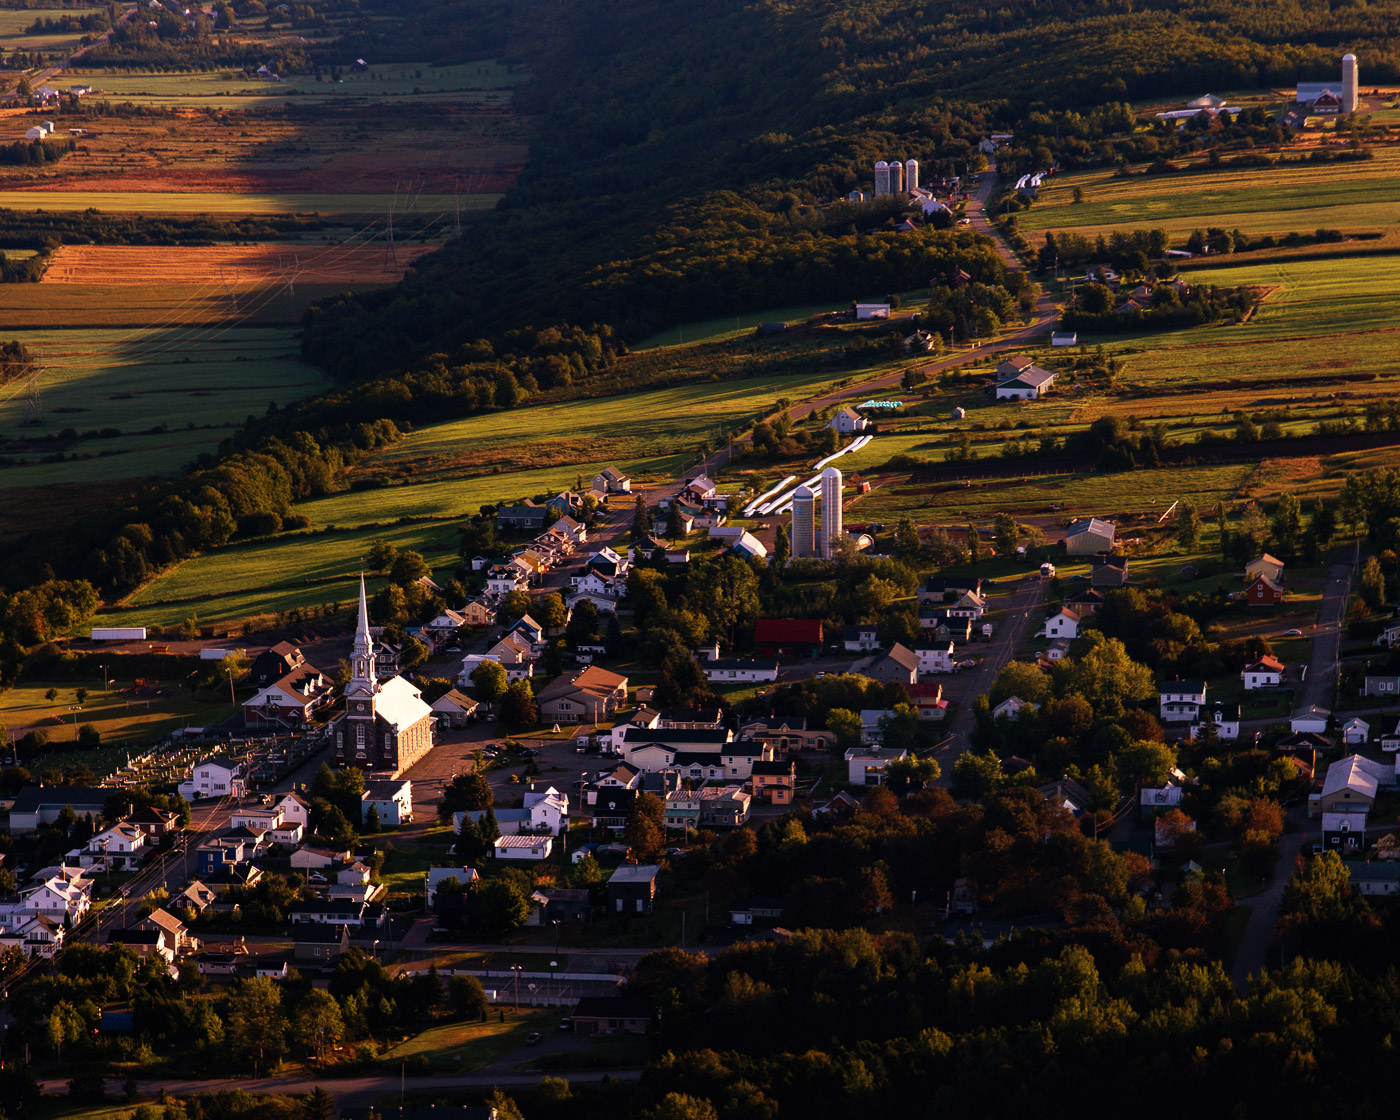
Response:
column 1292, row 633
column 968, row 664
column 565, row 1024
column 534, row 1039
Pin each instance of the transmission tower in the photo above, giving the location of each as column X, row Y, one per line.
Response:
column 291, row 275
column 33, row 400
column 230, row 289
column 391, row 258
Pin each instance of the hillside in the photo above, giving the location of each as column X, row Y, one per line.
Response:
column 675, row 141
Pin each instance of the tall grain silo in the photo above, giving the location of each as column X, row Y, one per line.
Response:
column 882, row 179
column 911, row 175
column 1350, row 81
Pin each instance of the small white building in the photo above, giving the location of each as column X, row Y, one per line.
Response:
column 549, row 811
column 392, row 797
column 935, row 657
column 1012, row 707
column 1064, row 623
column 848, row 421
column 1312, row 718
column 865, row 766
column 730, row 669
column 214, row 777
column 1356, row 732
column 1225, row 717
column 1181, row 700
column 521, row 847
column 1267, row 672
column 872, row 311
column 1064, row 338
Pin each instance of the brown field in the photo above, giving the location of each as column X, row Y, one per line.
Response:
column 342, row 150
column 243, row 266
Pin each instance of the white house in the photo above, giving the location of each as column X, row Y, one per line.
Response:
column 1153, row 800
column 214, row 777
column 849, row 421
column 1390, row 636
column 728, row 669
column 392, row 797
column 969, row 605
column 294, row 810
column 1267, row 672
column 935, row 657
column 865, row 766
column 121, row 848
column 862, row 637
column 1064, row 623
column 642, row 718
column 1312, row 718
column 1226, row 718
column 524, row 847
column 55, row 898
column 549, row 811
column 1012, row 707
column 464, row 875
column 1181, row 700
column 1356, row 732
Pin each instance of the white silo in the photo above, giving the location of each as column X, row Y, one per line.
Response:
column 831, row 512
column 911, row 175
column 1350, row 80
column 882, row 179
column 896, row 177
column 804, row 522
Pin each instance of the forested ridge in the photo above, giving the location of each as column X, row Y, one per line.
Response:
column 722, row 121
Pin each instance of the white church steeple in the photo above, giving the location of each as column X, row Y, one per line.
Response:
column 363, row 680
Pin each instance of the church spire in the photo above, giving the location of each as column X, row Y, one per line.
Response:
column 362, row 655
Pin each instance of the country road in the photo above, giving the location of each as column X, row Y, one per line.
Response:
column 1317, row 690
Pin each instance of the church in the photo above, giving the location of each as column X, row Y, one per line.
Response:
column 386, row 726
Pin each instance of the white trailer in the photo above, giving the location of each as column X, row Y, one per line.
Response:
column 119, row 634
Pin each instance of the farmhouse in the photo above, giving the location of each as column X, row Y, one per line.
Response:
column 1063, row 624
column 848, row 420
column 1263, row 592
column 1087, row 536
column 1020, row 379
column 1264, row 565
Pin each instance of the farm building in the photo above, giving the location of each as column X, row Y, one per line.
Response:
column 1020, row 379
column 872, row 311
column 779, row 637
column 848, row 420
column 1264, row 565
column 1064, row 338
column 1263, row 592
column 1087, row 536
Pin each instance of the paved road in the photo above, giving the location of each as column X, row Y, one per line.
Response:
column 39, row 77
column 1319, row 689
column 361, row 1090
column 1320, row 686
column 1008, row 634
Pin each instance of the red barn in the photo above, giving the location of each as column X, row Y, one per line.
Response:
column 788, row 637
column 1263, row 592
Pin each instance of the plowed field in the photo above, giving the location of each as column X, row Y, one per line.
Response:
column 244, row 266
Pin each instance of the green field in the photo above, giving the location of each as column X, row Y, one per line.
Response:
column 196, row 383
column 468, row 83
column 235, row 202
column 1353, row 197
column 462, row 1047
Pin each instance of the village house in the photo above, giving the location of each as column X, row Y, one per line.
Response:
column 935, row 657
column 1224, row 717
column 1012, row 707
column 862, row 637
column 1267, row 672
column 1181, row 700
column 214, row 777
column 1268, row 566
column 119, row 848
column 632, row 888
column 782, row 734
column 865, row 766
column 943, row 589
column 927, row 698
column 1351, row 786
column 1356, row 732
column 612, row 481
column 530, row 848
column 1085, row 602
column 454, row 708
column 1109, row 572
column 774, row 782
column 1062, row 624
column 731, row 669
column 526, row 516
column 1381, row 685
column 291, row 702
column 969, row 605
column 589, row 694
column 897, row 664
column 1263, row 592
column 392, row 798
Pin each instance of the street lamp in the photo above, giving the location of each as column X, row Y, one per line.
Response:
column 517, row 969
column 75, row 709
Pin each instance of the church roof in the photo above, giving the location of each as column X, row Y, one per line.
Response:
column 400, row 704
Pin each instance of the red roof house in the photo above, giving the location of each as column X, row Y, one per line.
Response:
column 1263, row 592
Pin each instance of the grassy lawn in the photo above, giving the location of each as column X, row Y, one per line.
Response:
column 463, row 1047
column 118, row 718
column 406, row 865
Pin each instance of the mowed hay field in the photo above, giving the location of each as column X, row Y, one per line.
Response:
column 171, row 394
column 220, row 266
column 1354, row 197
